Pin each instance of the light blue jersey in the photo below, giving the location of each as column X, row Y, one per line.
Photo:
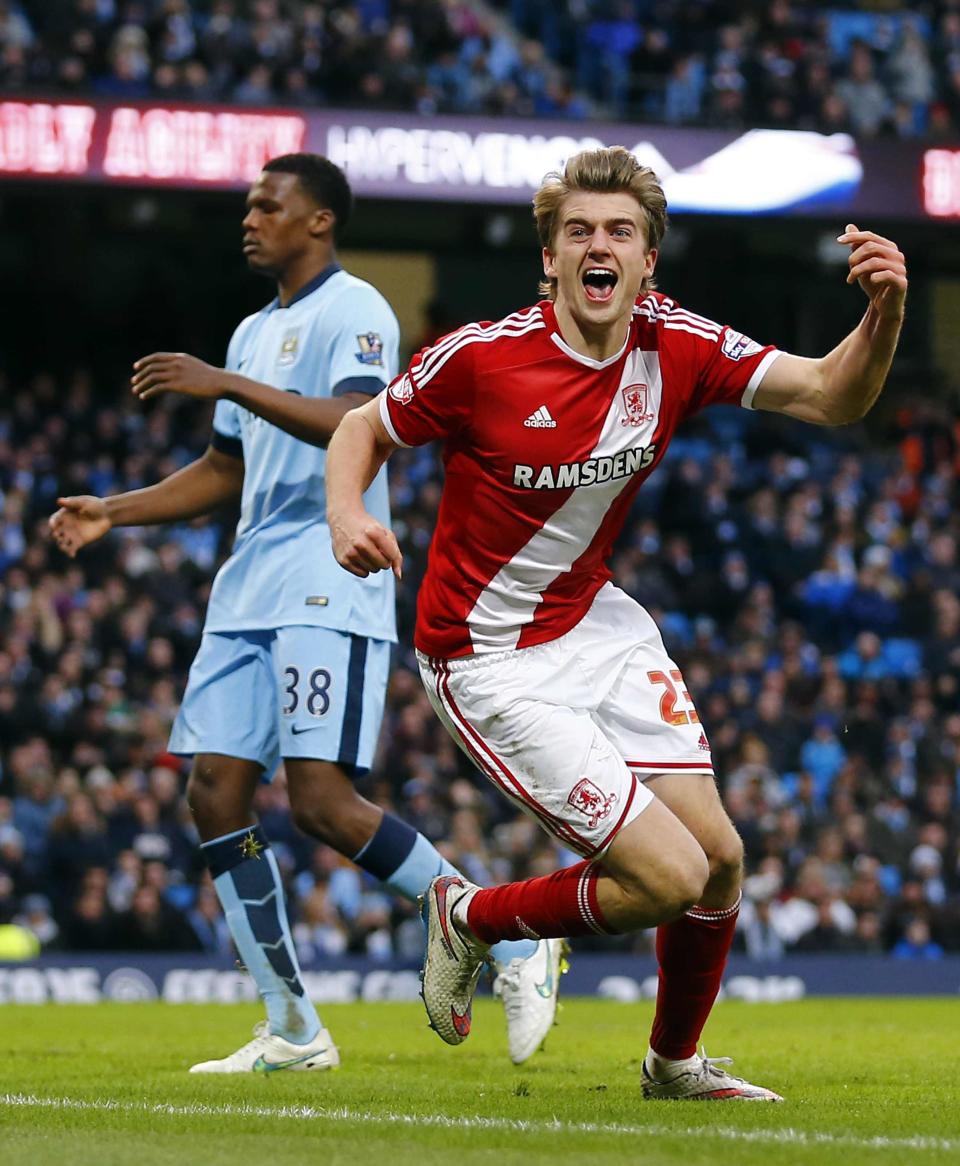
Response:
column 282, row 571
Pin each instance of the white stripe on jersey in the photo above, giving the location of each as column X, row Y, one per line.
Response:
column 510, row 600
column 517, row 317
column 432, row 355
column 673, row 317
column 653, row 309
column 692, row 318
column 388, row 423
column 680, row 326
column 520, row 317
column 499, row 333
column 758, row 374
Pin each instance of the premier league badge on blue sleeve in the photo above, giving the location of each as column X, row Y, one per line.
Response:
column 371, row 348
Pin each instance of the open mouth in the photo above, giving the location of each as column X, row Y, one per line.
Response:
column 599, row 284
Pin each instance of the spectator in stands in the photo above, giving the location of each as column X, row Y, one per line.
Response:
column 35, row 915
column 151, row 924
column 771, row 66
column 917, row 943
column 865, row 98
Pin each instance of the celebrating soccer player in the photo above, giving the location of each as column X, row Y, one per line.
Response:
column 295, row 656
column 554, row 681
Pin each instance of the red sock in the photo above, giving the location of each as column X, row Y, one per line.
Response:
column 692, row 952
column 555, row 905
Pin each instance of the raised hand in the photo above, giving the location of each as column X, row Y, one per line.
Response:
column 878, row 265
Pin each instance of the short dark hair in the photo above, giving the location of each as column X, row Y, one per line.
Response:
column 322, row 179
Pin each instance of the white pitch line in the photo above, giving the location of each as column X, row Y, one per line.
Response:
column 786, row 1136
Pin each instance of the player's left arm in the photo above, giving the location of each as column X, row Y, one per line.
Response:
column 841, row 387
column 311, row 419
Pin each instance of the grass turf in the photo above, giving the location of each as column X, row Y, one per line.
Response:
column 865, row 1081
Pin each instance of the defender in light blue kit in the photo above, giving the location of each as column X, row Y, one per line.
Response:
column 323, row 648
column 295, row 655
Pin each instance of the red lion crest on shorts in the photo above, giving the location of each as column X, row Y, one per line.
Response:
column 591, row 801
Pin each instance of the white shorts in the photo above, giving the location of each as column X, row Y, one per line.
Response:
column 570, row 729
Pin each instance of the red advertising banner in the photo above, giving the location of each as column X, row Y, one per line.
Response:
column 941, row 183
column 157, row 144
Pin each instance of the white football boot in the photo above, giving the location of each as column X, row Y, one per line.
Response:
column 705, row 1081
column 268, row 1053
column 454, row 959
column 529, row 990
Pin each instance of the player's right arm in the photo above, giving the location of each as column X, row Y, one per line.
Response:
column 432, row 400
column 202, row 486
column 357, row 450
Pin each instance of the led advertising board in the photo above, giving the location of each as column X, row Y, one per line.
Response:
column 474, row 160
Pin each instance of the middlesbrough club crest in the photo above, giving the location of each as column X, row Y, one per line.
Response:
column 635, row 404
column 591, row 801
column 402, row 390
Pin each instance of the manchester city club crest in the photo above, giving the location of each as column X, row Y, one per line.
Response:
column 635, row 403
column 371, row 348
column 288, row 347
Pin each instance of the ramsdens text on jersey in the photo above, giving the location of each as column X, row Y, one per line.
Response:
column 593, row 472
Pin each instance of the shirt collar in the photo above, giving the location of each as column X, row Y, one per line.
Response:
column 311, row 286
column 551, row 319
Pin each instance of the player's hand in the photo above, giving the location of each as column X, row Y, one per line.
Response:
column 362, row 546
column 176, row 372
column 878, row 265
column 79, row 521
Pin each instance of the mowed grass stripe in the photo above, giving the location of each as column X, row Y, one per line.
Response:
column 788, row 1136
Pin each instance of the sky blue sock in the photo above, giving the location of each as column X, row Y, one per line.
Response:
column 406, row 862
column 247, row 880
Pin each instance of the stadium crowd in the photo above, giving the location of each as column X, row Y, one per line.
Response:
column 870, row 68
column 806, row 581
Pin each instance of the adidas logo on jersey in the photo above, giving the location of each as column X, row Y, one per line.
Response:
column 540, row 419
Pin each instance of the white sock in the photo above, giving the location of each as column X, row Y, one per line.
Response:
column 459, row 918
column 663, row 1069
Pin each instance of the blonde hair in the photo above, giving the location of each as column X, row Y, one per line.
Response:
column 611, row 169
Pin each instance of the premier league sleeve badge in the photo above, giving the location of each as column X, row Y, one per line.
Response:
column 371, row 348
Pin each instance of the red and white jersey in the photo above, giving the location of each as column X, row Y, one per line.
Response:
column 544, row 450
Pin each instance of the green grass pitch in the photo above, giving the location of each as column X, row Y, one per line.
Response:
column 106, row 1085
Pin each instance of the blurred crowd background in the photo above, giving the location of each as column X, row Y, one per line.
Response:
column 878, row 67
column 805, row 580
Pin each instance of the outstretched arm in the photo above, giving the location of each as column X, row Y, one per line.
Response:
column 359, row 448
column 197, row 489
column 311, row 419
column 841, row 387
